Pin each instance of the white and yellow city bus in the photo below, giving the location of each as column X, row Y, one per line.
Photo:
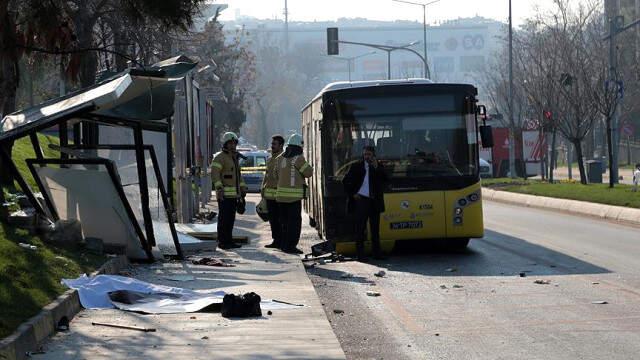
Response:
column 426, row 139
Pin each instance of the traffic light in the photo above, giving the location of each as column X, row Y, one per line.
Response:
column 332, row 41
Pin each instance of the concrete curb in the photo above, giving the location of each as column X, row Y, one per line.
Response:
column 36, row 330
column 621, row 214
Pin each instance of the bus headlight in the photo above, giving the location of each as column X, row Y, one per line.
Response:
column 474, row 197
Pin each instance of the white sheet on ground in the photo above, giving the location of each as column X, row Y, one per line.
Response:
column 94, row 294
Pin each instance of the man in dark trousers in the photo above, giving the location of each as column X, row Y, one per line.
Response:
column 230, row 187
column 270, row 191
column 364, row 184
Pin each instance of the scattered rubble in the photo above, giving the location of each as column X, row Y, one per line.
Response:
column 457, row 286
column 211, row 262
column 542, row 282
column 599, row 302
column 380, row 273
column 338, row 311
column 443, row 286
column 373, row 293
column 127, row 327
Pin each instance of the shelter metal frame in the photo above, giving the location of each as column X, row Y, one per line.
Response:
column 156, row 169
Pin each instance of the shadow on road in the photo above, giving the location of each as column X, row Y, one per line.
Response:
column 496, row 254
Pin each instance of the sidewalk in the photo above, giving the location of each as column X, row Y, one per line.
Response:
column 300, row 333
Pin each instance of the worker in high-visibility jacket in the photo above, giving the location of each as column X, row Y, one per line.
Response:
column 269, row 191
column 230, row 188
column 292, row 170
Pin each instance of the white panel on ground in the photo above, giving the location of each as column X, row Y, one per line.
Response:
column 90, row 197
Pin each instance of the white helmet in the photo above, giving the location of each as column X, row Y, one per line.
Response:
column 295, row 139
column 229, row 136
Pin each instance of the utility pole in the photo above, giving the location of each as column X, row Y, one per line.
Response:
column 286, row 27
column 512, row 149
column 427, row 73
column 616, row 26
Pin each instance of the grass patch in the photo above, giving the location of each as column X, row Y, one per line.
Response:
column 22, row 150
column 620, row 195
column 30, row 279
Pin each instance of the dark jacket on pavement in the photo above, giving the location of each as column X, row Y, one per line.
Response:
column 353, row 181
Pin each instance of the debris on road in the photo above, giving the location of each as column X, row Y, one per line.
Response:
column 127, row 327
column 451, row 269
column 211, row 262
column 373, row 293
column 380, row 273
column 269, row 312
column 180, row 277
column 599, row 302
column 542, row 282
column 595, row 283
column 523, row 274
column 205, row 338
column 443, row 286
column 286, row 303
column 338, row 311
column 346, row 276
column 457, row 286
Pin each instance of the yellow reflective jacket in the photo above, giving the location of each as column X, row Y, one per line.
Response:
column 225, row 173
column 270, row 180
column 291, row 178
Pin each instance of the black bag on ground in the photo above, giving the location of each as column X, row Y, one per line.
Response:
column 247, row 305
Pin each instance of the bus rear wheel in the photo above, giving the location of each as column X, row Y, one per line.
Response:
column 458, row 244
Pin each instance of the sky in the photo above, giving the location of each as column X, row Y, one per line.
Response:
column 310, row 10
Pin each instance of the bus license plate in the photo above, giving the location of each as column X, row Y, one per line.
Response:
column 406, row 225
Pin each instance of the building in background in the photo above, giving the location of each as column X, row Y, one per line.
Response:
column 458, row 50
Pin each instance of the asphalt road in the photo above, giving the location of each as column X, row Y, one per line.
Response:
column 476, row 305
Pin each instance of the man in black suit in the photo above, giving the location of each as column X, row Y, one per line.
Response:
column 364, row 184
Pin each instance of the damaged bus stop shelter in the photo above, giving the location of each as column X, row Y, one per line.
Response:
column 116, row 186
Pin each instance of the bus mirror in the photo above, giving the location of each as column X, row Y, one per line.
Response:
column 486, row 136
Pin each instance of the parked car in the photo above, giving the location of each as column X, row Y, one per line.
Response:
column 486, row 171
column 253, row 165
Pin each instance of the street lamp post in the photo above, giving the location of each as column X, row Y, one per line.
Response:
column 351, row 59
column 389, row 49
column 427, row 73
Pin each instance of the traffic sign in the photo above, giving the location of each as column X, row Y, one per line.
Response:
column 627, row 129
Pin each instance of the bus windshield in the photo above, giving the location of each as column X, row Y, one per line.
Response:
column 415, row 136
